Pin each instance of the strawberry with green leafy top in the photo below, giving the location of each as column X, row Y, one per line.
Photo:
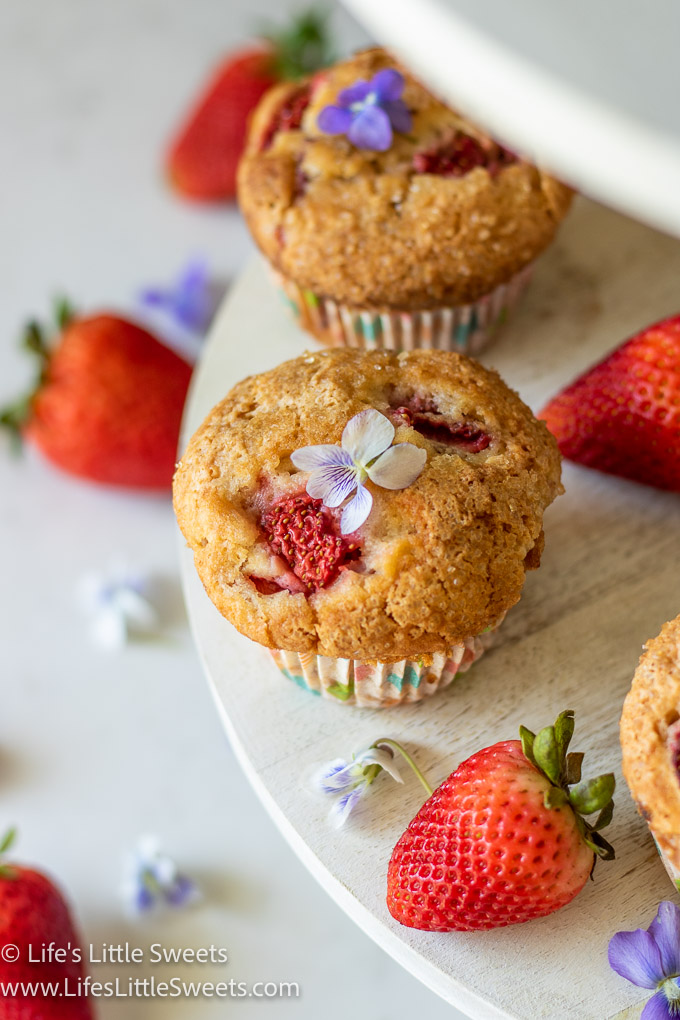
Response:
column 34, row 916
column 504, row 839
column 203, row 157
column 107, row 402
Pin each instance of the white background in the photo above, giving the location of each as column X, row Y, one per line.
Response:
column 97, row 748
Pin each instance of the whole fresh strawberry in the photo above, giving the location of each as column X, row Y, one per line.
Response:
column 503, row 840
column 108, row 401
column 623, row 415
column 38, row 944
column 203, row 157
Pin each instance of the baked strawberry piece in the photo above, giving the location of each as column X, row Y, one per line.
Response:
column 623, row 415
column 305, row 534
column 460, row 154
column 443, row 430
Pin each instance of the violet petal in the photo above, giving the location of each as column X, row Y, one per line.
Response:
column 658, row 1008
column 665, row 930
column 635, row 956
column 356, row 511
column 181, row 892
column 335, row 777
column 371, row 129
column 343, row 807
column 400, row 116
column 382, row 757
column 144, row 900
column 334, row 120
column 398, row 467
column 388, row 83
column 367, row 435
column 307, row 458
column 355, row 93
column 332, row 484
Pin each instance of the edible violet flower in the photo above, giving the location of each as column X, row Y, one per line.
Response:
column 117, row 603
column 182, row 312
column 369, row 111
column 348, row 781
column 152, row 879
column 366, row 451
column 651, row 959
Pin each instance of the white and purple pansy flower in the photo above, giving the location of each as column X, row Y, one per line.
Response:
column 368, row 112
column 651, row 959
column 348, row 781
column 365, row 452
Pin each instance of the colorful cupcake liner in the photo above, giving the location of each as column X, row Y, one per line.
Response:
column 463, row 328
column 381, row 684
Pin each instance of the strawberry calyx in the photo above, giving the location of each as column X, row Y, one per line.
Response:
column 14, row 416
column 548, row 752
column 301, row 48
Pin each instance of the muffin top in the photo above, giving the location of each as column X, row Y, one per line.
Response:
column 650, row 738
column 432, row 563
column 441, row 216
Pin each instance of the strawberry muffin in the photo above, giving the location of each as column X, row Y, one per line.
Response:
column 650, row 741
column 369, row 516
column 390, row 220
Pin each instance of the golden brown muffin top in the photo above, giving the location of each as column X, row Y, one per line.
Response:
column 650, row 738
column 367, row 228
column 434, row 563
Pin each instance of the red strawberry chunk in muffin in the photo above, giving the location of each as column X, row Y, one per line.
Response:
column 288, row 117
column 303, row 532
column 673, row 745
column 440, row 430
column 461, row 154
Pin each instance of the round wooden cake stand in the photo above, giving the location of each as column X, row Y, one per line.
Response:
column 609, row 579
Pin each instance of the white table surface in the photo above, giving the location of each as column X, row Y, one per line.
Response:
column 589, row 89
column 96, row 748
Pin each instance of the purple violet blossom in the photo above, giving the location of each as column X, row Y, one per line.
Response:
column 152, row 879
column 189, row 300
column 651, row 959
column 366, row 451
column 369, row 111
column 181, row 312
column 348, row 781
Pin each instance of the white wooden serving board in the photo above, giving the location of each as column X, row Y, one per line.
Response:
column 609, row 579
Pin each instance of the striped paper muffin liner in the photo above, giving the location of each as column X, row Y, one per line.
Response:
column 381, row 684
column 463, row 328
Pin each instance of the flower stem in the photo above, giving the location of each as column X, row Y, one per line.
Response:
column 394, row 746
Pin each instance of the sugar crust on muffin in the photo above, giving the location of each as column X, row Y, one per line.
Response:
column 439, row 561
column 366, row 228
column 650, row 711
